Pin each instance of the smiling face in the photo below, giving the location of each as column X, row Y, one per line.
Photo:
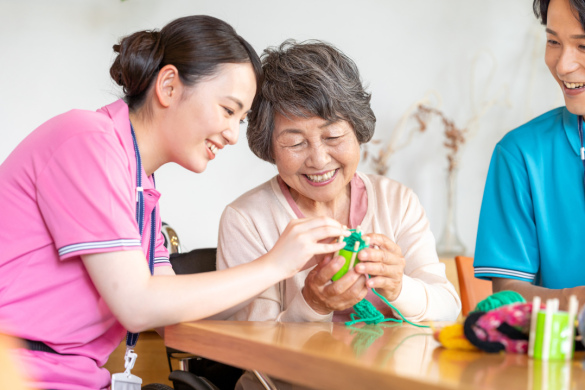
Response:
column 208, row 116
column 317, row 159
column 565, row 53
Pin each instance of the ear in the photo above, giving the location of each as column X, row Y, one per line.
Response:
column 167, row 85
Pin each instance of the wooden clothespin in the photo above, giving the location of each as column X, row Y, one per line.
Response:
column 340, row 239
column 354, row 254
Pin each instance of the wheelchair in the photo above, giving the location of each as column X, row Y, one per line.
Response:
column 194, row 373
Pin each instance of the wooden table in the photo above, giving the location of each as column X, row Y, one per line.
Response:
column 333, row 356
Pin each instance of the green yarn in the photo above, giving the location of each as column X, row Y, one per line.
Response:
column 499, row 299
column 352, row 239
column 366, row 312
column 364, row 338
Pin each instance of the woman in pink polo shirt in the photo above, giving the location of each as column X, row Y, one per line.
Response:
column 79, row 216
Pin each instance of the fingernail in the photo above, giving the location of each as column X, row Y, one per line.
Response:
column 359, row 267
column 363, row 255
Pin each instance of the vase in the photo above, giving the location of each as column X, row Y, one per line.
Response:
column 450, row 245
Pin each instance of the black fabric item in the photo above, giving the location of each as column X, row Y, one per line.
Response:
column 470, row 335
column 512, row 332
column 33, row 345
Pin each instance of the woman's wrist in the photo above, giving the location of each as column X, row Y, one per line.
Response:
column 319, row 309
column 273, row 269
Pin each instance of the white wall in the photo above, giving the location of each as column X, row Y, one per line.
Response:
column 55, row 55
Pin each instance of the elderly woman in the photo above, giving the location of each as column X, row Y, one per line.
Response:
column 309, row 120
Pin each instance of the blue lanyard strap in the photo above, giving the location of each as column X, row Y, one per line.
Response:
column 132, row 338
column 582, row 149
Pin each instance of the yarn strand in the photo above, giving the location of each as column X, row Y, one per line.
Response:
column 367, row 313
column 364, row 310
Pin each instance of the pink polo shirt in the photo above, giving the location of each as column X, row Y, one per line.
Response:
column 69, row 189
column 358, row 206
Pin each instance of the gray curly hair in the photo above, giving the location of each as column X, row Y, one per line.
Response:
column 308, row 79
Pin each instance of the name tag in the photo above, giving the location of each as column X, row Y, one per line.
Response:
column 125, row 380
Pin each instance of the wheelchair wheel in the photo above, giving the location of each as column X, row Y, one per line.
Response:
column 156, row 386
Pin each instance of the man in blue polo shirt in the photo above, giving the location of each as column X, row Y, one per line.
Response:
column 531, row 235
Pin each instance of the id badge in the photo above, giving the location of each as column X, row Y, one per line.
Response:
column 125, row 380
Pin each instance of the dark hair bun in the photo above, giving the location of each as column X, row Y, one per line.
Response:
column 139, row 58
column 196, row 45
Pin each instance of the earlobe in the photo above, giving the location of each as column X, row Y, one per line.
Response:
column 166, row 85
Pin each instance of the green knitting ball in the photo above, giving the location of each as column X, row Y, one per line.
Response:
column 499, row 299
column 347, row 255
column 353, row 244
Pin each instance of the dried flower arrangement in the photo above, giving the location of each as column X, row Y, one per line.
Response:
column 454, row 136
column 423, row 111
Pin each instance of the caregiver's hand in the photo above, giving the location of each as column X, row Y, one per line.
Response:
column 384, row 262
column 325, row 296
column 300, row 242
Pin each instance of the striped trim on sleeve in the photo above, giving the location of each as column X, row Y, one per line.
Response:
column 488, row 272
column 162, row 261
column 124, row 242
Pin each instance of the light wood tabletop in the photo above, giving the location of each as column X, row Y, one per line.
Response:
column 388, row 356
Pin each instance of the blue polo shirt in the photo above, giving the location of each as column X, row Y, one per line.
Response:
column 532, row 220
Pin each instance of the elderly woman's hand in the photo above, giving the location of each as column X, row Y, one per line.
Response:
column 325, row 296
column 384, row 262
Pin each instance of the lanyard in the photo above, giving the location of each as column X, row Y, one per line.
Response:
column 582, row 150
column 132, row 338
